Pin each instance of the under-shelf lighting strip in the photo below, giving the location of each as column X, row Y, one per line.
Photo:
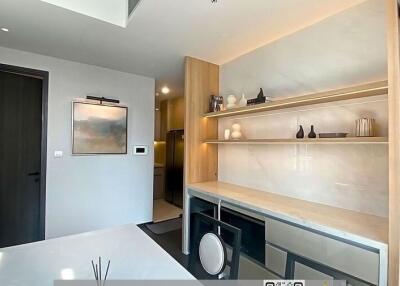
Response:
column 280, row 112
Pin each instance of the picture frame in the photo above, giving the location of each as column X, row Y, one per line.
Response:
column 99, row 128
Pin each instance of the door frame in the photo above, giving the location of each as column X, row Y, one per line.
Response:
column 44, row 76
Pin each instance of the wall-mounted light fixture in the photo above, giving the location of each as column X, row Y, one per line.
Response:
column 101, row 99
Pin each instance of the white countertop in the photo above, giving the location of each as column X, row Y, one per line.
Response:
column 133, row 255
column 362, row 228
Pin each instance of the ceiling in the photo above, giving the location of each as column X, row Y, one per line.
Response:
column 161, row 32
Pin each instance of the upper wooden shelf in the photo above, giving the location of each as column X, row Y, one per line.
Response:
column 365, row 90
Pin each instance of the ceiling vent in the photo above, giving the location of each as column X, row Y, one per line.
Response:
column 117, row 12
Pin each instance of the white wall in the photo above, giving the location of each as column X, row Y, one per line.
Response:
column 345, row 49
column 354, row 177
column 91, row 192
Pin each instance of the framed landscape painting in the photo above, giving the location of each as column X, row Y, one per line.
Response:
column 99, row 129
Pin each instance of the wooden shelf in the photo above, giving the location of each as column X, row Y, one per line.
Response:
column 346, row 140
column 360, row 91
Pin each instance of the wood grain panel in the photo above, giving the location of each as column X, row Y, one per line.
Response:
column 201, row 160
column 394, row 138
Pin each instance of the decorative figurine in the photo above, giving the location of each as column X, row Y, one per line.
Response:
column 231, row 99
column 312, row 133
column 243, row 101
column 300, row 133
column 259, row 99
column 236, row 133
column 260, row 94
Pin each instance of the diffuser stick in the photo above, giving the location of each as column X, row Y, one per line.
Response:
column 100, row 268
column 105, row 277
column 94, row 271
column 97, row 271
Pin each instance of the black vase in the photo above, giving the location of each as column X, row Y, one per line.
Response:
column 300, row 133
column 312, row 133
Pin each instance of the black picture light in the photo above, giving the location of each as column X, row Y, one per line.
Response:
column 101, row 99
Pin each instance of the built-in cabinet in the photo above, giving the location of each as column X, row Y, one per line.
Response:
column 290, row 251
column 282, row 238
column 204, row 139
column 293, row 251
column 328, row 254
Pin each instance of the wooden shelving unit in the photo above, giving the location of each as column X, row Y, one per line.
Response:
column 360, row 91
column 201, row 160
column 347, row 140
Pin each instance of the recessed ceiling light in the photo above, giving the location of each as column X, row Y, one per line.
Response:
column 165, row 90
column 157, row 93
column 5, row 29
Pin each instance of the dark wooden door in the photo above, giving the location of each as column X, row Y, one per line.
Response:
column 20, row 158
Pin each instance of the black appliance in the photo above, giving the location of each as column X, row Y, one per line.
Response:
column 174, row 168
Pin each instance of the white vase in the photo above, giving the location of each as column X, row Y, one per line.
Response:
column 236, row 132
column 227, row 134
column 231, row 101
column 243, row 101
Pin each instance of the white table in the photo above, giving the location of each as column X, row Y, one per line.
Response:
column 133, row 255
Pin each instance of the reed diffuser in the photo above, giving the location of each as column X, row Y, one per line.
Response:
column 97, row 273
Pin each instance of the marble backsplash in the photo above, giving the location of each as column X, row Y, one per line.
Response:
column 353, row 177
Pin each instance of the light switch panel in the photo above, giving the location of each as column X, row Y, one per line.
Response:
column 58, row 154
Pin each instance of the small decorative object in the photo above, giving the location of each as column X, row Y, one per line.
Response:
column 332, row 135
column 312, row 133
column 227, row 134
column 215, row 103
column 99, row 128
column 231, row 101
column 259, row 99
column 97, row 273
column 300, row 133
column 243, row 101
column 365, row 127
column 236, row 131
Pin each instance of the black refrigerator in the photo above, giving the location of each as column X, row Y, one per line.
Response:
column 174, row 168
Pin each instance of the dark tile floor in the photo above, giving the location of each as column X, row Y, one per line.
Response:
column 171, row 242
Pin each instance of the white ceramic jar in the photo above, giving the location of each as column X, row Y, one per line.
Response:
column 231, row 101
column 236, row 131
